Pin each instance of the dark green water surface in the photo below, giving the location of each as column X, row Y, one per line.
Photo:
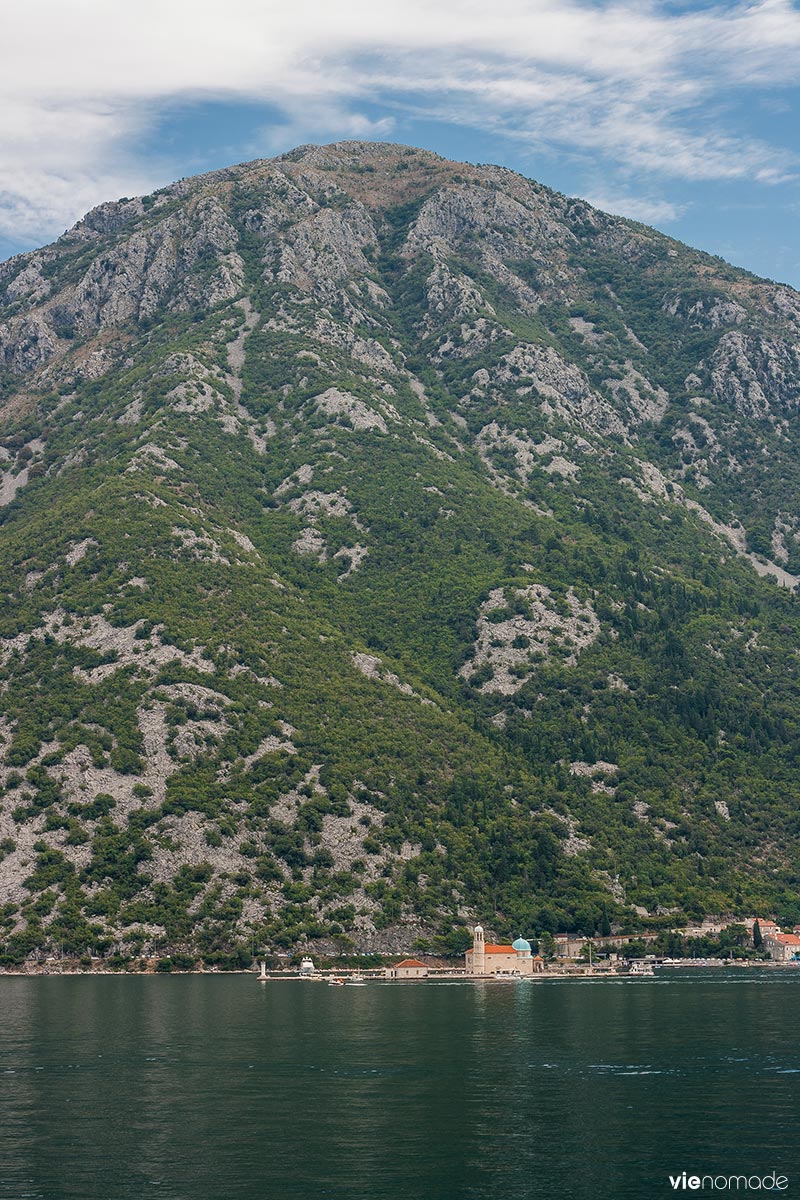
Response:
column 216, row 1088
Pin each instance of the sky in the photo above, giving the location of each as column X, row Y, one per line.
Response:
column 684, row 114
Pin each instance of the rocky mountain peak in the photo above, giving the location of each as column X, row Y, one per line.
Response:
column 388, row 543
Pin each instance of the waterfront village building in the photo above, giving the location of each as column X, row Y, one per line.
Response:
column 782, row 947
column 767, row 928
column 570, row 945
column 409, row 968
column 487, row 959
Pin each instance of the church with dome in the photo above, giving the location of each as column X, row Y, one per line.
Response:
column 485, row 958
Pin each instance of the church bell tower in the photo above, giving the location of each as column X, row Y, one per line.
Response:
column 478, row 951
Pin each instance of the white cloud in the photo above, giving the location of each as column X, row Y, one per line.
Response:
column 321, row 121
column 58, row 160
column 639, row 208
column 633, row 83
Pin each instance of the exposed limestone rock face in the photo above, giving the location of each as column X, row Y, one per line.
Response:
column 634, row 391
column 372, row 667
column 335, row 403
column 712, row 313
column 311, row 542
column 26, row 343
column 756, row 376
column 327, row 249
column 507, row 227
column 564, row 388
column 128, row 282
column 28, row 285
column 786, row 303
column 492, row 441
column 453, row 295
column 320, row 229
column 515, row 632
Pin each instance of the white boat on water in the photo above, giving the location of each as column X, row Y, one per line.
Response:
column 641, row 968
column 335, row 982
column 356, row 980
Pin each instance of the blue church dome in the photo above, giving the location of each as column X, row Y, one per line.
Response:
column 522, row 946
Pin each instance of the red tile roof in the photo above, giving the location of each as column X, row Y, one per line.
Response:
column 410, row 962
column 490, row 948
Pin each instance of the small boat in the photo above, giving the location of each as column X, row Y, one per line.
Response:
column 335, row 982
column 641, row 968
column 356, row 980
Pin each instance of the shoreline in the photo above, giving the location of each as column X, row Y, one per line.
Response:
column 571, row 972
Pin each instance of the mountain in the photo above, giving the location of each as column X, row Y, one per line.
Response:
column 388, row 543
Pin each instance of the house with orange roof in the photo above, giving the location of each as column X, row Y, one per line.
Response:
column 782, row 947
column 409, row 968
column 767, row 927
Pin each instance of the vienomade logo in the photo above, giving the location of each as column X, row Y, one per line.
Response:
column 729, row 1183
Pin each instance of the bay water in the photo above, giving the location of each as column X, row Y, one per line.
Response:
column 217, row 1088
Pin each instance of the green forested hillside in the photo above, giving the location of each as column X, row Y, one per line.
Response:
column 386, row 544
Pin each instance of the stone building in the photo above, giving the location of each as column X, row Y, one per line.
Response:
column 766, row 928
column 409, row 968
column 486, row 958
column 570, row 945
column 782, row 947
